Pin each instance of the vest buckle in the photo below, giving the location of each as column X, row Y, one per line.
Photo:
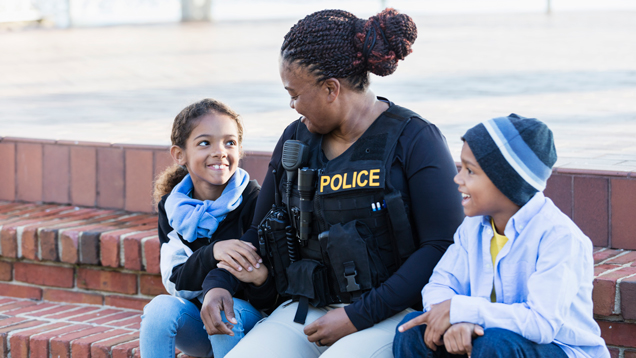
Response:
column 350, row 274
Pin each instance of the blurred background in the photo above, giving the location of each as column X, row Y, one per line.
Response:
column 118, row 71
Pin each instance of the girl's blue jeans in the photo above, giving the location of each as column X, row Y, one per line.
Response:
column 170, row 322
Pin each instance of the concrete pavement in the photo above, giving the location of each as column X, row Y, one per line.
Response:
column 575, row 71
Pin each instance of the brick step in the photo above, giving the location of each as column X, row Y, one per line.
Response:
column 68, row 254
column 50, row 329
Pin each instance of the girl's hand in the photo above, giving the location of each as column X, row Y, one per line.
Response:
column 458, row 339
column 239, row 254
column 217, row 300
column 256, row 277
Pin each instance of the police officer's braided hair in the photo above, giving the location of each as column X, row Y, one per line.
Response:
column 335, row 43
column 182, row 127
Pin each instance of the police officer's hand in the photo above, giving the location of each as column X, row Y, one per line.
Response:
column 215, row 301
column 329, row 328
column 458, row 339
column 238, row 254
column 256, row 277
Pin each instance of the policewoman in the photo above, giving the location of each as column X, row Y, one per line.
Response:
column 359, row 202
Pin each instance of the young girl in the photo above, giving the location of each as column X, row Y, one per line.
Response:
column 205, row 202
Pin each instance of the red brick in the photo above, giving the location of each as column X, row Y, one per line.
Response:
column 603, row 268
column 110, row 281
column 132, row 249
column 29, row 309
column 614, row 352
column 623, row 259
column 73, row 313
column 22, row 325
column 8, row 242
column 628, row 297
column 82, row 347
column 151, row 254
column 628, row 353
column 69, row 241
column 11, row 321
column 57, row 173
column 604, row 293
column 109, row 247
column 605, row 254
column 53, row 310
column 110, row 178
column 39, row 343
column 559, row 189
column 20, row 340
column 14, row 290
column 623, row 209
column 591, row 208
column 48, row 244
column 96, row 314
column 103, row 349
column 163, row 160
column 618, row 333
column 6, row 271
column 29, row 171
column 83, row 176
column 7, row 174
column 256, row 163
column 138, row 180
column 61, row 346
column 127, row 323
column 54, row 295
column 151, row 285
column 126, row 302
column 116, row 317
column 16, row 305
column 125, row 350
column 44, row 275
column 5, row 300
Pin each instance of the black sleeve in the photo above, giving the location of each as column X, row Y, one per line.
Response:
column 436, row 213
column 163, row 226
column 264, row 295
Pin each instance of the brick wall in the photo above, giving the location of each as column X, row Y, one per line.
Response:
column 108, row 176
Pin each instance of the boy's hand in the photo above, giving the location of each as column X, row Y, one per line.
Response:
column 458, row 339
column 437, row 321
column 215, row 301
column 237, row 253
column 256, row 277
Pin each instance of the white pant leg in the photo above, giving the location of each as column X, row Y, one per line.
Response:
column 373, row 342
column 279, row 336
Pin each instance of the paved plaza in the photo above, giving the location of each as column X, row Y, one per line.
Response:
column 575, row 71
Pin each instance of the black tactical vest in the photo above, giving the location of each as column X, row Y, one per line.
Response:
column 360, row 232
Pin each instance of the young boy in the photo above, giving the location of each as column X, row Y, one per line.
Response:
column 517, row 282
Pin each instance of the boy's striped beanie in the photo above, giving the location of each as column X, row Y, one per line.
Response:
column 516, row 153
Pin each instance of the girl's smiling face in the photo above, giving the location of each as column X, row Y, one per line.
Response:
column 211, row 154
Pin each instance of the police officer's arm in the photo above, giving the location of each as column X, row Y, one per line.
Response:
column 436, row 212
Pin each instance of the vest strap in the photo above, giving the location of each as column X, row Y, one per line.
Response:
column 301, row 312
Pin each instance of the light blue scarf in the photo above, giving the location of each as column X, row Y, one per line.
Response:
column 193, row 218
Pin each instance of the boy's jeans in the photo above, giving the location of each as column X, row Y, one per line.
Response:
column 495, row 343
column 168, row 321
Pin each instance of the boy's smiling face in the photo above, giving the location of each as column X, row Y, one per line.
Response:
column 479, row 195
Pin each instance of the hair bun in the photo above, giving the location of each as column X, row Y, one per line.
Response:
column 394, row 35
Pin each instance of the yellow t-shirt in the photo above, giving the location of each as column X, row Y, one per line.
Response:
column 496, row 244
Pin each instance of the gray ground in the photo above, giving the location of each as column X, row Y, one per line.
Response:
column 575, row 71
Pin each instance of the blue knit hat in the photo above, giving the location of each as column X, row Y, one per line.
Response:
column 516, row 153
